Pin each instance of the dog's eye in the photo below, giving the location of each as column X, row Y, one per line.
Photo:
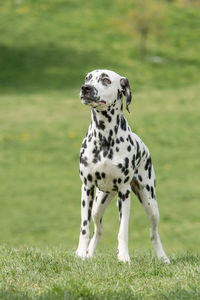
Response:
column 106, row 81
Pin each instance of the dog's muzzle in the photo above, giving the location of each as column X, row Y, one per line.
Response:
column 89, row 95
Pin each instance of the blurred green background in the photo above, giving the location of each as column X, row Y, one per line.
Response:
column 46, row 48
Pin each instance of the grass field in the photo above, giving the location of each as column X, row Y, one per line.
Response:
column 44, row 56
column 56, row 274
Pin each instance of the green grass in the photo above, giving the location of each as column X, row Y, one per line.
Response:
column 29, row 273
column 45, row 50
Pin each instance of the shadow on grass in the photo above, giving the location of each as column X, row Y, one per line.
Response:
column 46, row 67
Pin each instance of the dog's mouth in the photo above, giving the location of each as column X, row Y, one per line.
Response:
column 92, row 101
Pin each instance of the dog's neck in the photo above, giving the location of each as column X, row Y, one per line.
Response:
column 105, row 121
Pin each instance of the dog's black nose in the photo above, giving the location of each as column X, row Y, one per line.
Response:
column 86, row 88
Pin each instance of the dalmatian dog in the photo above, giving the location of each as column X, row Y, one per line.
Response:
column 113, row 161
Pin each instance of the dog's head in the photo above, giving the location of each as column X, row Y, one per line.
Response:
column 103, row 87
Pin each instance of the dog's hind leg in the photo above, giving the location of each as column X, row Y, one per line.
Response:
column 100, row 203
column 143, row 185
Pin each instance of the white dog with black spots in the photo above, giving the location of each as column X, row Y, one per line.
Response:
column 113, row 160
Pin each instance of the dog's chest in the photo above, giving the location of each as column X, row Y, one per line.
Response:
column 104, row 166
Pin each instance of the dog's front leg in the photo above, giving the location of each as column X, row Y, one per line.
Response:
column 124, row 198
column 87, row 197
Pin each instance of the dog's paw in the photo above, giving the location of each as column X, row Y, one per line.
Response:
column 165, row 260
column 81, row 253
column 124, row 257
column 90, row 252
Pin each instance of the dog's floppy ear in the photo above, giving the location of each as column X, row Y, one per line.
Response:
column 126, row 91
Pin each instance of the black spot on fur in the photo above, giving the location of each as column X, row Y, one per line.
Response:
column 126, row 172
column 152, row 192
column 133, row 162
column 138, row 153
column 149, row 171
column 85, row 223
column 92, row 192
column 90, row 138
column 148, row 161
column 83, row 231
column 105, row 114
column 115, row 187
column 89, row 177
column 100, row 136
column 104, row 199
column 103, row 175
column 117, row 141
column 98, row 176
column 110, row 154
column 89, row 214
column 83, row 161
column 83, row 203
column 126, row 179
column 84, row 145
column 123, row 123
column 103, row 75
column 105, row 153
column 129, row 148
column 117, row 119
column 130, row 139
column 140, row 177
column 100, row 124
column 119, row 205
column 119, row 180
column 126, row 162
column 124, row 197
column 119, row 94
